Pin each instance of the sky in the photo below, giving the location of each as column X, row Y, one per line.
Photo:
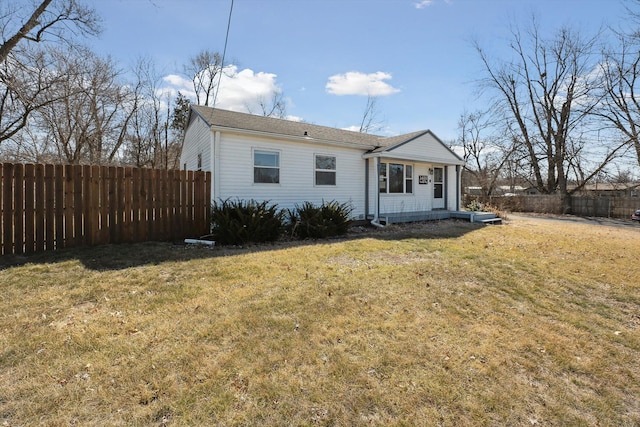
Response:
column 326, row 56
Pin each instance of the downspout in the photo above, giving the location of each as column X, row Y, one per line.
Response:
column 215, row 164
column 366, row 188
column 457, row 188
column 376, row 217
column 446, row 187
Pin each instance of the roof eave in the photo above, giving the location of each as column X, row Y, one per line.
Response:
column 422, row 159
column 286, row 137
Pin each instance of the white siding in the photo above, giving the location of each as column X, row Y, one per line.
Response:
column 197, row 140
column 427, row 153
column 297, row 173
column 420, row 200
column 422, row 197
column 426, row 147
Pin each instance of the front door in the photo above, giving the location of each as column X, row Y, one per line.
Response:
column 438, row 188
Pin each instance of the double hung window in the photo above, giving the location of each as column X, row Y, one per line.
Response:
column 325, row 169
column 266, row 167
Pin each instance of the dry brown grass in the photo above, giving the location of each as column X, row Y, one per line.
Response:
column 531, row 323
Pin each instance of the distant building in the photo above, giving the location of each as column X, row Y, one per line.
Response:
column 626, row 189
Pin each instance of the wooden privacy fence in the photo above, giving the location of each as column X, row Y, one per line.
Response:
column 607, row 207
column 45, row 207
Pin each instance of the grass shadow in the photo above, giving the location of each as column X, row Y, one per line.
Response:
column 123, row 256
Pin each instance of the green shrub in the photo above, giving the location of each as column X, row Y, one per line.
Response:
column 239, row 222
column 318, row 222
column 475, row 206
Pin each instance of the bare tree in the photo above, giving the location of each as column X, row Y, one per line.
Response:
column 620, row 106
column 24, row 88
column 204, row 69
column 26, row 77
column 55, row 18
column 485, row 152
column 371, row 121
column 149, row 140
column 87, row 119
column 546, row 94
column 275, row 106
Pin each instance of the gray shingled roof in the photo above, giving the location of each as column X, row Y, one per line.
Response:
column 243, row 121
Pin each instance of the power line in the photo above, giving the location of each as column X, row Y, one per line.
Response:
column 224, row 52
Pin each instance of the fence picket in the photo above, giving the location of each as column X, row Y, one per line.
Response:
column 56, row 241
column 18, row 208
column 40, row 197
column 7, row 205
column 78, row 205
column 29, row 208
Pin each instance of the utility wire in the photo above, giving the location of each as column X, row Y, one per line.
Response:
column 224, row 52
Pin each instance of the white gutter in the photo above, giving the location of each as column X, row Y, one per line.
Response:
column 389, row 155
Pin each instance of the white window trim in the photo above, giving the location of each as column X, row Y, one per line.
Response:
column 404, row 178
column 315, row 169
column 255, row 150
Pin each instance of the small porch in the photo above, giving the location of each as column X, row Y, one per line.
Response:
column 435, row 215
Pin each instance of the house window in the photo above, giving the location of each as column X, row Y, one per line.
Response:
column 408, row 179
column 199, row 161
column 325, row 170
column 266, row 167
column 397, row 179
column 382, row 180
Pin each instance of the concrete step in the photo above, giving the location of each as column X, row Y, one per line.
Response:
column 491, row 221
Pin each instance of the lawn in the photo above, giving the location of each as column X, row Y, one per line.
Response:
column 445, row 323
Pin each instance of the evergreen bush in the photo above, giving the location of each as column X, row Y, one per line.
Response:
column 318, row 222
column 239, row 222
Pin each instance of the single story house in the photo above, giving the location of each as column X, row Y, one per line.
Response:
column 389, row 179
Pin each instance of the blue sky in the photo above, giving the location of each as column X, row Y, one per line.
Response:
column 326, row 55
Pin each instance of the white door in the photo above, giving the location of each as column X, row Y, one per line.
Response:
column 438, row 188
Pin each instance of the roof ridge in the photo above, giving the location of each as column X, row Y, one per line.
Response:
column 247, row 121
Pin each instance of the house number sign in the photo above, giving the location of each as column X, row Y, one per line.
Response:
column 423, row 179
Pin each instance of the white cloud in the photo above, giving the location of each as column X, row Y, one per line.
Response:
column 178, row 84
column 357, row 83
column 423, row 3
column 239, row 90
column 244, row 90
